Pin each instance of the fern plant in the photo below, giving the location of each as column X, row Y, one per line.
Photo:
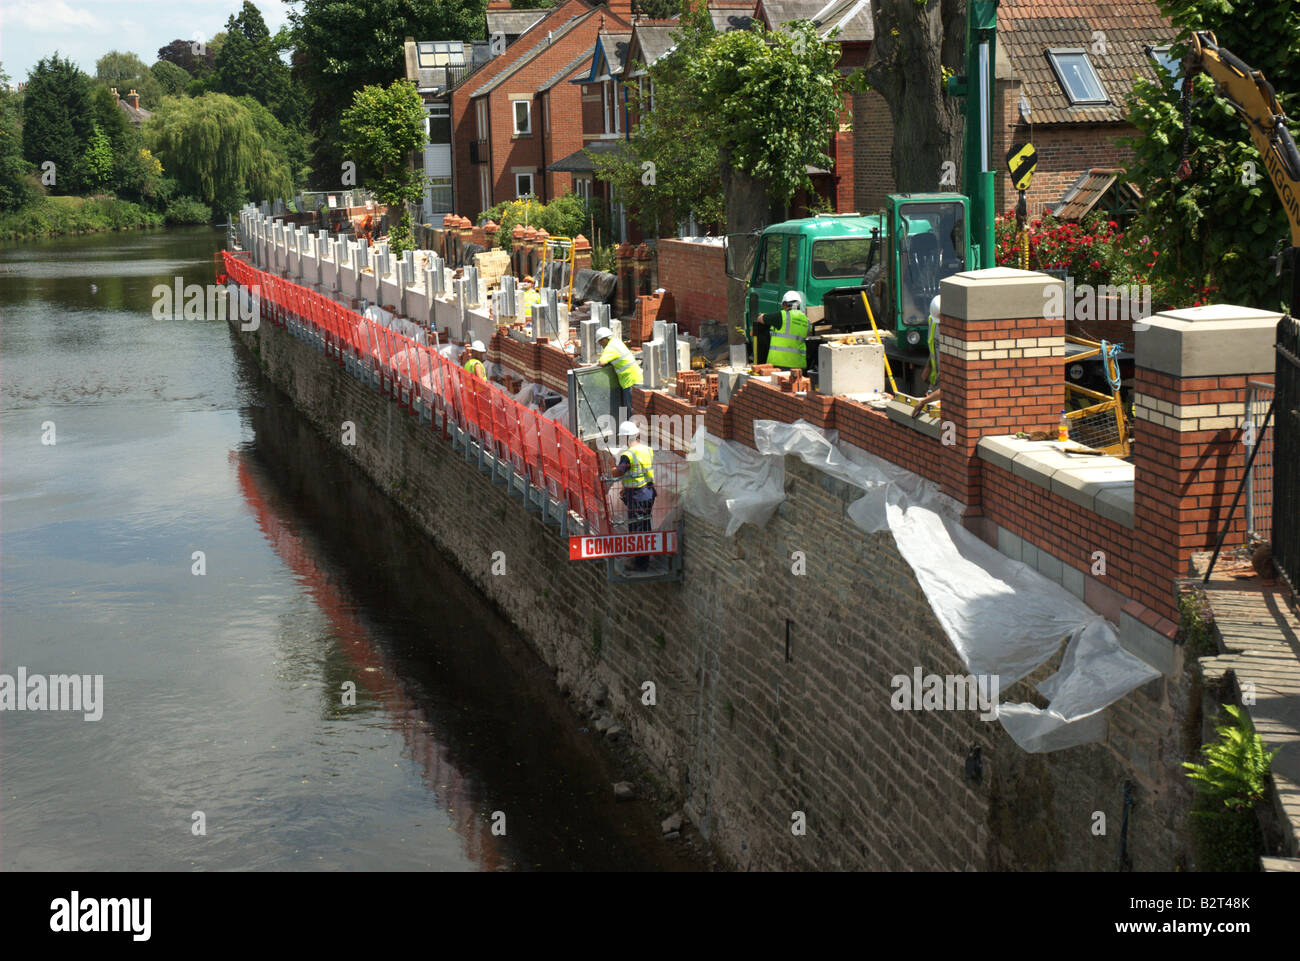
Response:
column 1236, row 764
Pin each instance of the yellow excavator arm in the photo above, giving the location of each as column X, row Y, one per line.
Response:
column 1253, row 98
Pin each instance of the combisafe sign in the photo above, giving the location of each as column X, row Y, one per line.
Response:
column 622, row 545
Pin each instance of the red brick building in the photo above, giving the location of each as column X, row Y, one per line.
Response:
column 1072, row 65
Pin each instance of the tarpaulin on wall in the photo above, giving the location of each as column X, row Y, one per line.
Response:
column 1003, row 617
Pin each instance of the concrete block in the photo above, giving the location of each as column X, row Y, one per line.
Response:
column 999, row 293
column 587, row 337
column 652, row 364
column 1009, row 543
column 683, row 355
column 1029, row 554
column 1074, row 581
column 1141, row 641
column 1208, row 341
column 1081, row 485
column 1001, row 451
column 901, row 413
column 850, row 368
column 1039, row 465
column 1116, row 504
column 1049, row 566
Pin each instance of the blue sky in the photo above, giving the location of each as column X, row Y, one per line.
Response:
column 85, row 30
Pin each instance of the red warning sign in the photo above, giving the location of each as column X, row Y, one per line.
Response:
column 622, row 545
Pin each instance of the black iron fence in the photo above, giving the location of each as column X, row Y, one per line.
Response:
column 1259, row 485
column 1286, row 466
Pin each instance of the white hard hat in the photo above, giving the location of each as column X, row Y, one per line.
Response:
column 477, row 345
column 934, row 307
column 628, row 429
column 603, row 332
column 792, row 295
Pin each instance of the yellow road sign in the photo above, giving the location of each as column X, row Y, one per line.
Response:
column 1022, row 161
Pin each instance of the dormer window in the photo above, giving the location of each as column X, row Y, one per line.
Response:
column 1077, row 77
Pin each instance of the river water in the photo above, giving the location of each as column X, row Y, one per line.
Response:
column 135, row 452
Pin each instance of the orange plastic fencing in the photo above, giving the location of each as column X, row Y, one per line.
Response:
column 535, row 446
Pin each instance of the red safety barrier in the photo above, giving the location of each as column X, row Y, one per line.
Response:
column 537, row 447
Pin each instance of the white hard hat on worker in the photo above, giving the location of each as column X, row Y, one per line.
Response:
column 603, row 333
column 792, row 299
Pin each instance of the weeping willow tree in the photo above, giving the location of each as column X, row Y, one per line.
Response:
column 213, row 147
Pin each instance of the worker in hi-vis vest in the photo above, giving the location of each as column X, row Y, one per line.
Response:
column 930, row 376
column 530, row 299
column 615, row 353
column 789, row 332
column 475, row 363
column 636, row 470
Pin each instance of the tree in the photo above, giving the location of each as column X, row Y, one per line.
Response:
column 1218, row 228
column 172, row 79
column 657, row 9
column 57, row 119
column 915, row 40
column 248, row 63
column 212, row 147
column 16, row 184
column 343, row 45
column 127, row 72
column 381, row 130
column 737, row 119
column 286, row 142
column 182, row 54
column 95, row 167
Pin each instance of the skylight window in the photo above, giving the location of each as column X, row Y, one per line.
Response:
column 1078, row 78
column 1162, row 56
column 441, row 53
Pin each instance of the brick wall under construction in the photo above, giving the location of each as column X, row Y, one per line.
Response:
column 772, row 688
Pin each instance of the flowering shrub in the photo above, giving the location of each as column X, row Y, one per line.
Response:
column 1096, row 252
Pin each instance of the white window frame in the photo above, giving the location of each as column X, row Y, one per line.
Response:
column 480, row 118
column 582, row 187
column 514, row 117
column 532, row 186
column 1060, row 69
column 485, row 187
column 432, row 110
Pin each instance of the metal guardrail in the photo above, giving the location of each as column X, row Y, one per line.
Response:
column 1286, row 476
column 1259, row 486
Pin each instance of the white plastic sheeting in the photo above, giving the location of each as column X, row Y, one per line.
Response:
column 1003, row 617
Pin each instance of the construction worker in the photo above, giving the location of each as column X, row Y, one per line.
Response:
column 475, row 363
column 531, row 298
column 789, row 332
column 615, row 353
column 636, row 470
column 930, row 376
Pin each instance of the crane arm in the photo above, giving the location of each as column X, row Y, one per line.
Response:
column 1253, row 98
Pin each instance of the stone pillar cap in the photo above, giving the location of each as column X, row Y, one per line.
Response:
column 998, row 293
column 1210, row 341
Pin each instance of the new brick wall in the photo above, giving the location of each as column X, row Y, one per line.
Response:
column 696, row 275
column 773, row 695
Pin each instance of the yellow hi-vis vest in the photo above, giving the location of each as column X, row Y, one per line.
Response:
column 787, row 346
column 530, row 299
column 476, row 368
column 641, row 471
column 625, row 365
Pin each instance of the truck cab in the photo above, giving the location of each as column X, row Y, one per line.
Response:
column 897, row 257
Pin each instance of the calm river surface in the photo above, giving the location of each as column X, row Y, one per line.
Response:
column 223, row 692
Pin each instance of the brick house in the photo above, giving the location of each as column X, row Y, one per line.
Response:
column 130, row 104
column 515, row 114
column 1072, row 65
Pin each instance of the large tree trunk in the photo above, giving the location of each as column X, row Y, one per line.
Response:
column 913, row 41
column 749, row 207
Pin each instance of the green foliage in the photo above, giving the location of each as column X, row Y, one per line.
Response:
column 344, row 45
column 95, row 167
column 17, row 186
column 1230, row 784
column 380, row 130
column 187, row 210
column 57, row 119
column 1195, row 623
column 565, row 216
column 249, row 64
column 1218, row 229
column 212, row 146
column 658, row 9
column 52, row 216
column 286, row 142
column 127, row 72
column 1237, row 766
column 172, row 79
column 763, row 103
column 181, row 53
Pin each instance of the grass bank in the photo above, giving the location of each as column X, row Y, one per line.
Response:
column 54, row 216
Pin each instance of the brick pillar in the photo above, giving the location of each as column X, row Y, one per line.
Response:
column 625, row 289
column 581, row 253
column 1188, row 403
column 465, row 236
column 540, row 240
column 642, row 269
column 1000, row 366
column 530, row 251
column 449, row 237
column 517, row 264
column 490, row 231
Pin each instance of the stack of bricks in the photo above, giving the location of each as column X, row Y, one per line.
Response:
column 649, row 308
column 699, row 389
